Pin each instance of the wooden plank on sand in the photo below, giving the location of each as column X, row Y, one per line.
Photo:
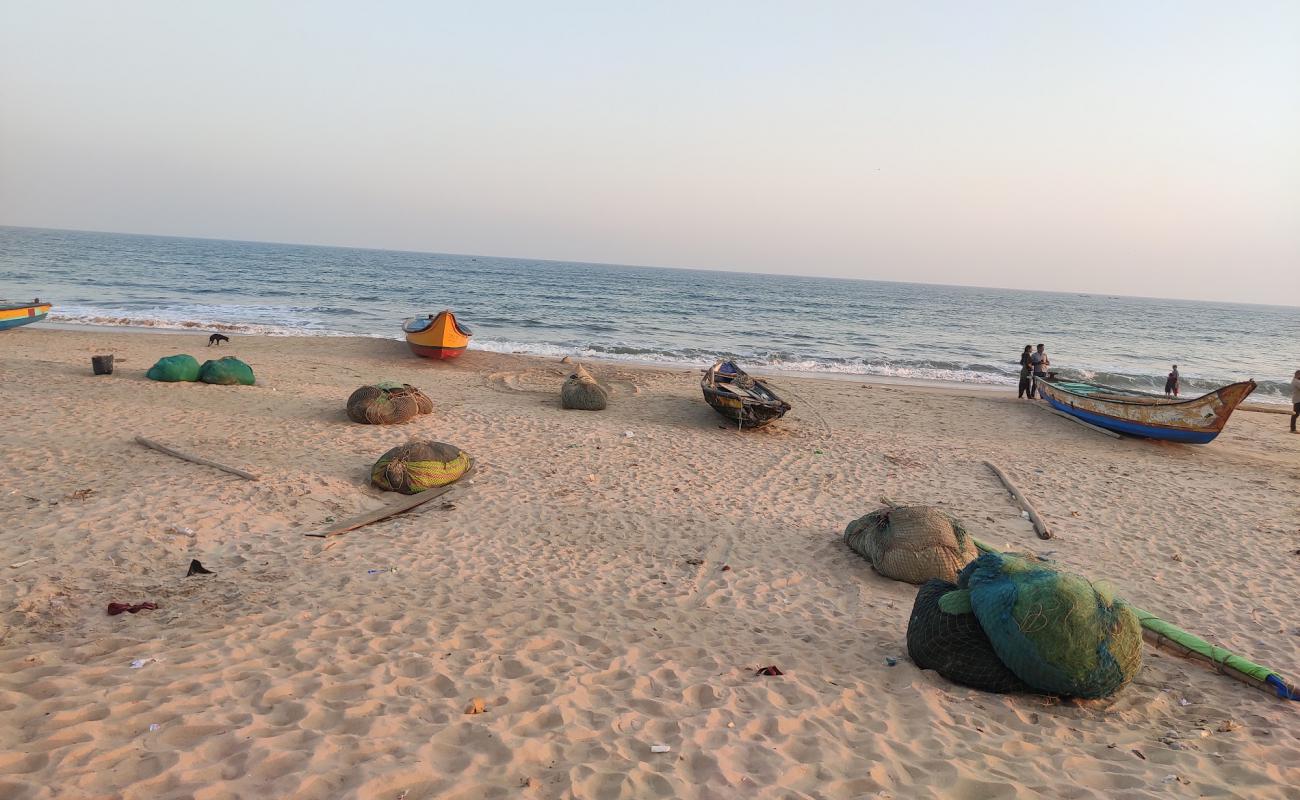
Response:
column 406, row 503
column 162, row 448
column 1040, row 527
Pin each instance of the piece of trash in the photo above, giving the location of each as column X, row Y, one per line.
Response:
column 628, row 434
column 731, row 724
column 891, row 661
column 153, row 726
column 329, row 519
column 694, row 562
column 660, row 748
column 770, row 670
column 377, row 571
column 140, row 662
column 1228, row 725
column 818, row 452
column 448, row 506
column 197, row 568
column 81, row 494
column 1024, row 515
column 476, row 705
column 726, row 568
column 180, row 530
column 18, row 564
column 1182, row 701
column 127, row 608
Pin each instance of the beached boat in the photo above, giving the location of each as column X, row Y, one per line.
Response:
column 436, row 335
column 738, row 397
column 1139, row 414
column 14, row 314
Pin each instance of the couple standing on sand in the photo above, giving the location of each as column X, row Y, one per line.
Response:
column 1033, row 364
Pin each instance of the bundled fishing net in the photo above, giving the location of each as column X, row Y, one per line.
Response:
column 944, row 635
column 387, row 404
column 1058, row 632
column 911, row 543
column 416, row 466
column 580, row 391
column 228, row 371
column 174, row 368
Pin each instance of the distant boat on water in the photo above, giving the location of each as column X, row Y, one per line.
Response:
column 13, row 315
column 1195, row 421
column 437, row 336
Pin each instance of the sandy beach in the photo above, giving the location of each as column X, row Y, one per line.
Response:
column 607, row 582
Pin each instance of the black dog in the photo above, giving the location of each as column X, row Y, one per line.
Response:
column 217, row 339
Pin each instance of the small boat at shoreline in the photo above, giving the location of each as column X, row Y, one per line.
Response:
column 437, row 336
column 1195, row 421
column 740, row 398
column 12, row 315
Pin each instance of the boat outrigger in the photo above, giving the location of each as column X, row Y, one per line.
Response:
column 735, row 395
column 13, row 315
column 436, row 335
column 1195, row 421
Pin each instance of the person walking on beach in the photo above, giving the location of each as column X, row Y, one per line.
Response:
column 1026, row 386
column 1295, row 399
column 1038, row 362
column 1171, row 383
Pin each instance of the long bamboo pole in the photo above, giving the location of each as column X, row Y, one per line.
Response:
column 173, row 452
column 1040, row 527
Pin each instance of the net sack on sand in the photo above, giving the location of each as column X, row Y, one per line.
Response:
column 387, row 404
column 580, row 391
column 174, row 368
column 1058, row 632
column 228, row 371
column 416, row 466
column 943, row 634
column 912, row 543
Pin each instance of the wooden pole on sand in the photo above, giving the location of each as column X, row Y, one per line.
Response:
column 1040, row 527
column 162, row 448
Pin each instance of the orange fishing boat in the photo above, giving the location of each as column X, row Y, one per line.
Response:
column 436, row 335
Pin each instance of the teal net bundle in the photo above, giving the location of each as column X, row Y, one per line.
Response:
column 912, row 543
column 944, row 635
column 173, row 369
column 1058, row 632
column 228, row 371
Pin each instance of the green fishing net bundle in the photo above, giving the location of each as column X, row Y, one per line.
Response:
column 387, row 403
column 911, row 543
column 175, row 368
column 228, row 371
column 1058, row 632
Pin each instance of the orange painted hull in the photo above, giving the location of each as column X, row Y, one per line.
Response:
column 438, row 336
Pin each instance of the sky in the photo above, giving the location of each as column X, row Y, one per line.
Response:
column 1143, row 148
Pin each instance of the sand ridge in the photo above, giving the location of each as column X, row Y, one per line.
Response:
column 578, row 587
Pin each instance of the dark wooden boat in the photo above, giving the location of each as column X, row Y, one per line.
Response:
column 1194, row 421
column 740, row 398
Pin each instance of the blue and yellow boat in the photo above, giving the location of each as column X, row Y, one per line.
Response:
column 14, row 314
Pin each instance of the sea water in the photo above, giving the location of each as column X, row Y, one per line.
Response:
column 646, row 314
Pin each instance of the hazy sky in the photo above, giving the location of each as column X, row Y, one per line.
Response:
column 1130, row 147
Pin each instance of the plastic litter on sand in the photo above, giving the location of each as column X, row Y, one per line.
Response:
column 659, row 748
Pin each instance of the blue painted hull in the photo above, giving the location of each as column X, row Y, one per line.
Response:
column 1135, row 428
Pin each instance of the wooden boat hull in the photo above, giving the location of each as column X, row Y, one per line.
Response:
column 1196, row 421
column 18, row 315
column 750, row 406
column 437, row 336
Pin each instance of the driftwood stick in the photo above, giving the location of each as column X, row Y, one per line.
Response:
column 162, row 448
column 406, row 503
column 1078, row 421
column 1040, row 527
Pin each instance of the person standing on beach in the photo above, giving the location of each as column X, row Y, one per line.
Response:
column 1039, row 363
column 1295, row 399
column 1026, row 386
column 1171, row 383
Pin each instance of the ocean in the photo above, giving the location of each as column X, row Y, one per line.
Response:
column 774, row 323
